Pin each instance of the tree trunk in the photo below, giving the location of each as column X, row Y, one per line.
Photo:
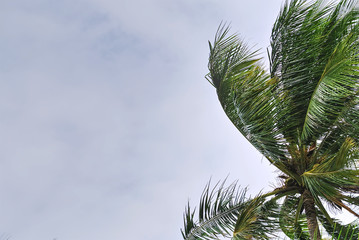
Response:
column 311, row 214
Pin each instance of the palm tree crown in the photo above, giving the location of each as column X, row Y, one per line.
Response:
column 301, row 115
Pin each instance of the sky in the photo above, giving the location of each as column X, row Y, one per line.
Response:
column 107, row 124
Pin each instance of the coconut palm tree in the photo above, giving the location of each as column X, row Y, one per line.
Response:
column 303, row 114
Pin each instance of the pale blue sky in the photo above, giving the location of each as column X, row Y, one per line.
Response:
column 107, row 125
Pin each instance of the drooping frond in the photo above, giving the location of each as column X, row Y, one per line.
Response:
column 245, row 92
column 295, row 42
column 337, row 85
column 219, row 211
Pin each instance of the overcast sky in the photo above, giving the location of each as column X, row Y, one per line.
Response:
column 107, row 124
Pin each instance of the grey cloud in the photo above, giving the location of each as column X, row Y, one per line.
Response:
column 107, row 124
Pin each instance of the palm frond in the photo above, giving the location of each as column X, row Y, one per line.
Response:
column 336, row 86
column 219, row 211
column 315, row 57
column 295, row 41
column 245, row 92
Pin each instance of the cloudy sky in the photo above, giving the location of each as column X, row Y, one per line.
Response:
column 107, row 125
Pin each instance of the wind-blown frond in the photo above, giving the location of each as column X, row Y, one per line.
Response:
column 294, row 59
column 245, row 92
column 219, row 211
column 335, row 88
column 315, row 57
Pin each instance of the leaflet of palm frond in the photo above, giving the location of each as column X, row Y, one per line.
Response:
column 338, row 230
column 188, row 219
column 292, row 221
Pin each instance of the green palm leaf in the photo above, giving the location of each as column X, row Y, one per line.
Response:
column 227, row 212
column 315, row 57
column 245, row 92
